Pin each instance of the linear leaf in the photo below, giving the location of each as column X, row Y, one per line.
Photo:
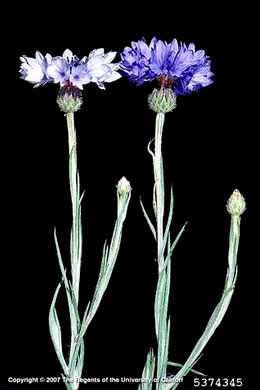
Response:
column 148, row 372
column 177, row 238
column 55, row 331
column 181, row 365
column 165, row 237
column 148, row 220
column 74, row 317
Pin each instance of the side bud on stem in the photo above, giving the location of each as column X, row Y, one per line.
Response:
column 123, row 194
column 236, row 204
column 123, row 186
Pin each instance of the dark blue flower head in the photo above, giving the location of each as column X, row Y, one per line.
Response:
column 174, row 65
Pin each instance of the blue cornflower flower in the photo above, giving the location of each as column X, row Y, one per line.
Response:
column 68, row 69
column 71, row 73
column 174, row 65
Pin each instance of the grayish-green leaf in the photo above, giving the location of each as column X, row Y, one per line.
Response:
column 148, row 372
column 148, row 220
column 181, row 365
column 55, row 331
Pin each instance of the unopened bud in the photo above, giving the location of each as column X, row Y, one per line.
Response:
column 123, row 186
column 236, row 204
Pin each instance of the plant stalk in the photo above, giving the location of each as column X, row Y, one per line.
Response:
column 159, row 187
column 76, row 231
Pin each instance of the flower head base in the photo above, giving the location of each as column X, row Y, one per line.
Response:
column 162, row 100
column 69, row 98
column 187, row 70
column 236, row 204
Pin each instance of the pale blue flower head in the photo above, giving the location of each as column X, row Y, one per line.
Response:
column 69, row 69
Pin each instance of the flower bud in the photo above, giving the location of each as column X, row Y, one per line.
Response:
column 123, row 186
column 162, row 100
column 236, row 204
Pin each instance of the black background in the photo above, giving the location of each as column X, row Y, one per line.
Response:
column 209, row 149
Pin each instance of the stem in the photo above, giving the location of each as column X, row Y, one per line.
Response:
column 76, row 243
column 76, row 230
column 73, row 156
column 159, row 187
column 233, row 249
column 163, row 286
column 164, row 252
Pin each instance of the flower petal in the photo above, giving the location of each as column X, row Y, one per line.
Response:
column 67, row 55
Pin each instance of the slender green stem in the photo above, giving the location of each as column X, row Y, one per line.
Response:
column 162, row 325
column 76, row 230
column 234, row 236
column 73, row 157
column 159, row 213
column 76, row 234
column 159, row 186
column 162, row 237
column 164, row 252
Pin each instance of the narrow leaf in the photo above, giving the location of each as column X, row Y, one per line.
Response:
column 177, row 238
column 55, row 331
column 165, row 237
column 148, row 372
column 181, row 365
column 74, row 317
column 148, row 220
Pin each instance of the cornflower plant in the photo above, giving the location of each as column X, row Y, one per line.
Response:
column 179, row 70
column 72, row 73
